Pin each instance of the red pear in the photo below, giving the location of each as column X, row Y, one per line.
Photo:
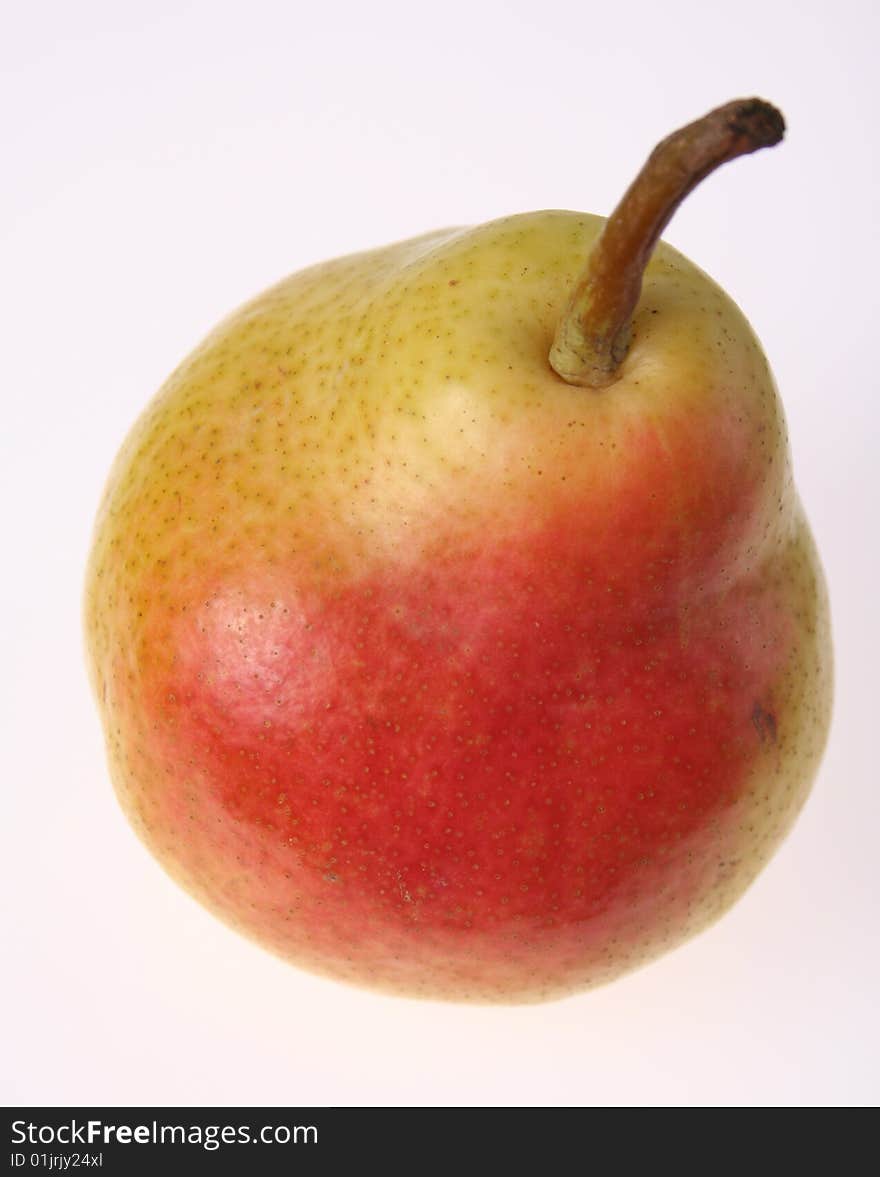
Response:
column 454, row 622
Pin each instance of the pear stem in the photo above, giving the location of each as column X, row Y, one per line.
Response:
column 594, row 333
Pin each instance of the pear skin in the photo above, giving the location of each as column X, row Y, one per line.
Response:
column 434, row 673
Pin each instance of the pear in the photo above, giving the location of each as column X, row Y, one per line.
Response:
column 453, row 620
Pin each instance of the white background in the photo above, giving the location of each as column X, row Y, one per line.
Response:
column 162, row 162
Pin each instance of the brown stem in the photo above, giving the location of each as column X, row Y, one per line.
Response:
column 594, row 333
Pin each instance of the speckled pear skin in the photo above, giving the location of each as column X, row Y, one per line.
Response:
column 435, row 674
